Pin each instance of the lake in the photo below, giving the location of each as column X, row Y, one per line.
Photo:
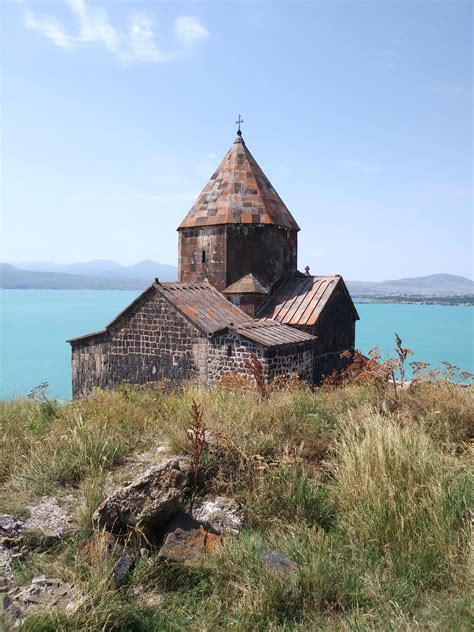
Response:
column 35, row 325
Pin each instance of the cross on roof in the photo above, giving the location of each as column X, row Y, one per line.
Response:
column 238, row 122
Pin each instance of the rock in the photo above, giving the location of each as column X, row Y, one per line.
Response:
column 6, row 556
column 41, row 593
column 147, row 597
column 45, row 516
column 52, row 520
column 223, row 514
column 133, row 466
column 122, row 566
column 149, row 502
column 144, row 553
column 187, row 540
column 104, row 549
column 10, row 526
column 281, row 564
column 152, row 599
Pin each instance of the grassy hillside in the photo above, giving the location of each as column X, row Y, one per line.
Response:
column 366, row 489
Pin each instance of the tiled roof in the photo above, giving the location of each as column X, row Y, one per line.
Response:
column 238, row 193
column 246, row 285
column 202, row 304
column 300, row 300
column 273, row 334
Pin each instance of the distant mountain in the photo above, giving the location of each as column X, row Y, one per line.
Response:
column 145, row 270
column 108, row 275
column 433, row 285
column 12, row 278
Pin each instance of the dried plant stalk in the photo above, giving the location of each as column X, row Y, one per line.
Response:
column 256, row 368
column 197, row 437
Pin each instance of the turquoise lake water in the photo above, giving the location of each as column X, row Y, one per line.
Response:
column 35, row 325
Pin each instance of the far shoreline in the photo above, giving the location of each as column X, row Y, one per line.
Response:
column 465, row 300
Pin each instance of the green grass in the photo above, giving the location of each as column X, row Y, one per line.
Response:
column 367, row 492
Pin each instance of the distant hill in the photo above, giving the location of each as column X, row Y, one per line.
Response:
column 12, row 278
column 109, row 275
column 145, row 270
column 433, row 285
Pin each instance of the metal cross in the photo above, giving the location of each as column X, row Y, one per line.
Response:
column 238, row 122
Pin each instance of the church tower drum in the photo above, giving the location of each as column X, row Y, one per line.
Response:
column 238, row 226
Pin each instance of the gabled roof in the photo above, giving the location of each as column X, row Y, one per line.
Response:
column 249, row 284
column 211, row 313
column 203, row 305
column 238, row 193
column 300, row 300
column 200, row 303
column 273, row 334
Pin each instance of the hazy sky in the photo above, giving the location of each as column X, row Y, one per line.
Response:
column 115, row 114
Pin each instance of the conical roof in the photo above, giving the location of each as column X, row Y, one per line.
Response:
column 239, row 193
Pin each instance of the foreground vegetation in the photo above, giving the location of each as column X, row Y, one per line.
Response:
column 366, row 488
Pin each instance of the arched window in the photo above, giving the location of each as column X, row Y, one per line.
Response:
column 229, row 351
column 203, row 258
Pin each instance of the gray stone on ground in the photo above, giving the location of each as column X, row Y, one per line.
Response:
column 10, row 526
column 224, row 515
column 135, row 465
column 45, row 515
column 279, row 563
column 148, row 502
column 49, row 517
column 6, row 558
column 43, row 592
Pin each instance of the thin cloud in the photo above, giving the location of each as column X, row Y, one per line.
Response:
column 48, row 27
column 189, row 31
column 137, row 43
column 142, row 40
column 94, row 26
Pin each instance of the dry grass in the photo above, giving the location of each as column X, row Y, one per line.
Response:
column 367, row 490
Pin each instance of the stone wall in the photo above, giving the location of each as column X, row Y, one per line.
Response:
column 224, row 254
column 268, row 252
column 151, row 342
column 90, row 363
column 203, row 254
column 296, row 358
column 228, row 353
column 335, row 330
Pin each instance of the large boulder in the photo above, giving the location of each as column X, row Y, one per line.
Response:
column 149, row 502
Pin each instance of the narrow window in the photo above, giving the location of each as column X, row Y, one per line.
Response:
column 229, row 351
column 204, row 256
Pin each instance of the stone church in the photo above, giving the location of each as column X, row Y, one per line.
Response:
column 239, row 292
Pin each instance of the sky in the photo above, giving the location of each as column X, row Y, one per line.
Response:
column 115, row 114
